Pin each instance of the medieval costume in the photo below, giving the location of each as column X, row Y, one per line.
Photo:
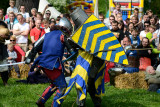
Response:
column 51, row 62
column 4, row 34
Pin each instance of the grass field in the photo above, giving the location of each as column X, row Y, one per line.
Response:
column 25, row 95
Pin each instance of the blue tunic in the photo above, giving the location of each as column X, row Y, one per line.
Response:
column 52, row 50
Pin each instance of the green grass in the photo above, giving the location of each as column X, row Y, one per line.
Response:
column 23, row 95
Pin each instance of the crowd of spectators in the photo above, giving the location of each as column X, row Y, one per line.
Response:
column 143, row 32
column 24, row 28
column 139, row 36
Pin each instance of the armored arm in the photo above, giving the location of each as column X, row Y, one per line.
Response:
column 36, row 48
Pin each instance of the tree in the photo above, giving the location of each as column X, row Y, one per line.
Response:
column 29, row 4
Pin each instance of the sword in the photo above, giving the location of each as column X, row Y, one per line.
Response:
column 11, row 64
column 105, row 50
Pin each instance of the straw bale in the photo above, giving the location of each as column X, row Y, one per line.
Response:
column 131, row 81
column 24, row 69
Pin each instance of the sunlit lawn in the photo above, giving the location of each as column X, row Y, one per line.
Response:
column 25, row 95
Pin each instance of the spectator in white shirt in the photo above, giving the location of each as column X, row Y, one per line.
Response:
column 12, row 7
column 21, row 30
column 25, row 14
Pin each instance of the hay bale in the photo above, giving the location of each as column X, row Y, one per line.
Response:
column 24, row 69
column 131, row 81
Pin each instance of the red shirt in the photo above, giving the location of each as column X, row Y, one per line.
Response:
column 36, row 33
column 19, row 52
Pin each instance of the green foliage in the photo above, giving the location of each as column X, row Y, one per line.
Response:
column 25, row 95
column 60, row 5
column 103, row 6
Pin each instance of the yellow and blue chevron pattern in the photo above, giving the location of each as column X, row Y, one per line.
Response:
column 80, row 76
column 94, row 36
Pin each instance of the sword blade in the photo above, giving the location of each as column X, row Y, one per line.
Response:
column 11, row 64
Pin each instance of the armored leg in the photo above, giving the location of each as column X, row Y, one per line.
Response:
column 80, row 103
column 113, row 72
column 91, row 89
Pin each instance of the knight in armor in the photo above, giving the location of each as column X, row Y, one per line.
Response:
column 88, row 70
column 52, row 45
column 4, row 34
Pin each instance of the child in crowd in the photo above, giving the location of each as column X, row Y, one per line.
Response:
column 149, row 12
column 46, row 25
column 153, row 78
column 135, row 40
column 117, row 10
column 52, row 22
column 11, row 59
column 12, row 7
column 136, row 14
column 30, row 46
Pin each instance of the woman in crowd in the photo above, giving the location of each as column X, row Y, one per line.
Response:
column 19, row 51
column 145, row 31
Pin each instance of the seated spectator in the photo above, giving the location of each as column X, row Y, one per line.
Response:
column 37, row 32
column 135, row 40
column 52, row 22
column 121, row 25
column 132, row 56
column 127, row 21
column 31, row 23
column 145, row 31
column 144, row 54
column 111, row 19
column 19, row 51
column 12, row 7
column 145, row 19
column 130, row 28
column 151, row 35
column 30, row 46
column 153, row 21
column 116, row 31
column 11, row 21
column 46, row 25
column 101, row 17
column 135, row 21
column 2, row 18
column 11, row 59
column 24, row 13
column 153, row 79
column 21, row 30
column 136, row 14
column 57, row 19
column 119, row 18
column 133, row 61
column 39, row 16
column 149, row 12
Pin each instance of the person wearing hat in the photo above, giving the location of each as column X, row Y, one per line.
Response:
column 4, row 34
